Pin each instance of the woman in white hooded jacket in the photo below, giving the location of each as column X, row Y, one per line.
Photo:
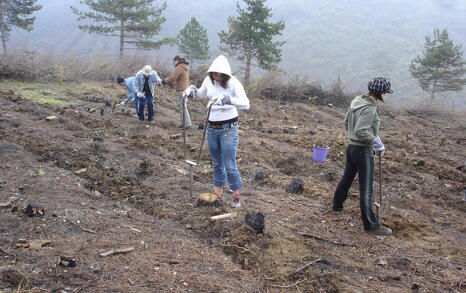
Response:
column 226, row 95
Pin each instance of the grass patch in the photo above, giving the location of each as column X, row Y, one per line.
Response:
column 60, row 93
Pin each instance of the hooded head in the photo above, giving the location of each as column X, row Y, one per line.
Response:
column 147, row 70
column 220, row 66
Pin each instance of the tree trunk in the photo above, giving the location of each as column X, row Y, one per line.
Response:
column 247, row 74
column 3, row 25
column 122, row 38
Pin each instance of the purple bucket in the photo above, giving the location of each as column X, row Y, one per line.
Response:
column 319, row 154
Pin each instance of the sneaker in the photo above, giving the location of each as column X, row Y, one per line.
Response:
column 337, row 212
column 236, row 201
column 381, row 230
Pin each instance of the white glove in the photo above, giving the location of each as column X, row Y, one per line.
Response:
column 140, row 95
column 378, row 146
column 190, row 92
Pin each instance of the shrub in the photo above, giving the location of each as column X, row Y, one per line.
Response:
column 274, row 85
column 29, row 65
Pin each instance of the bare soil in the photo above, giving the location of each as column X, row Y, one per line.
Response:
column 107, row 181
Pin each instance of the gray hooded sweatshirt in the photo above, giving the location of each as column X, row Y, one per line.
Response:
column 362, row 121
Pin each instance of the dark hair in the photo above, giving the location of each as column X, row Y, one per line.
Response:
column 376, row 96
column 225, row 79
column 120, row 80
column 180, row 60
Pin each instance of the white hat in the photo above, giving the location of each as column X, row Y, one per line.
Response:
column 220, row 65
column 147, row 70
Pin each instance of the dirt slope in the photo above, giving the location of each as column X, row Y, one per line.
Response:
column 107, row 181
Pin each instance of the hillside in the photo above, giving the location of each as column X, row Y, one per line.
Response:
column 356, row 40
column 108, row 182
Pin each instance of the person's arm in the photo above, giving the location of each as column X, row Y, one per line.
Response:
column 347, row 119
column 136, row 83
column 157, row 79
column 174, row 76
column 363, row 126
column 202, row 91
column 239, row 99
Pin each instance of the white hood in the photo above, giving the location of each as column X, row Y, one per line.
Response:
column 220, row 65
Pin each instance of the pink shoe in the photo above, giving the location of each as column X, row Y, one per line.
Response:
column 236, row 201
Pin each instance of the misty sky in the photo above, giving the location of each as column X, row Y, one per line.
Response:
column 354, row 38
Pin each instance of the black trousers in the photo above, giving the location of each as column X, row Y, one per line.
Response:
column 359, row 160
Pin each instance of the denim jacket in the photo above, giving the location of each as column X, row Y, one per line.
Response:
column 138, row 82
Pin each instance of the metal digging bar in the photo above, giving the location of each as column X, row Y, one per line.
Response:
column 183, row 121
column 379, row 204
column 203, row 134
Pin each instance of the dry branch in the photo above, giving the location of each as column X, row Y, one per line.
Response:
column 300, row 270
column 286, row 286
column 223, row 216
column 139, row 220
column 77, row 225
column 6, row 252
column 116, row 251
column 326, row 240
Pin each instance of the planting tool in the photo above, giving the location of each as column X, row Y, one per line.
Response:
column 191, row 165
column 183, row 121
column 205, row 129
column 379, row 204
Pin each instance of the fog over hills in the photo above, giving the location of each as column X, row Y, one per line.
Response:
column 324, row 39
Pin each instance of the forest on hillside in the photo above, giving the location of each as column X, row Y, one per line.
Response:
column 353, row 40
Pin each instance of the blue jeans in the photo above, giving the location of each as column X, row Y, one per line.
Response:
column 223, row 143
column 142, row 102
column 359, row 160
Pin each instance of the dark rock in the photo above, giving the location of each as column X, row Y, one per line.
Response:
column 102, row 113
column 256, row 221
column 32, row 210
column 68, row 262
column 98, row 138
column 296, row 186
column 108, row 103
column 415, row 287
column 200, row 126
column 420, row 163
column 260, row 176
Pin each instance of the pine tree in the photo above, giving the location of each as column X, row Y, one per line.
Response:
column 193, row 42
column 135, row 22
column 16, row 13
column 250, row 37
column 442, row 67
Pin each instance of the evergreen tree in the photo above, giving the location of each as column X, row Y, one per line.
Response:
column 193, row 42
column 135, row 22
column 442, row 67
column 16, row 13
column 250, row 37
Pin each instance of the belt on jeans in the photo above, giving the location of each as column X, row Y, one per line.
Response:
column 221, row 126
